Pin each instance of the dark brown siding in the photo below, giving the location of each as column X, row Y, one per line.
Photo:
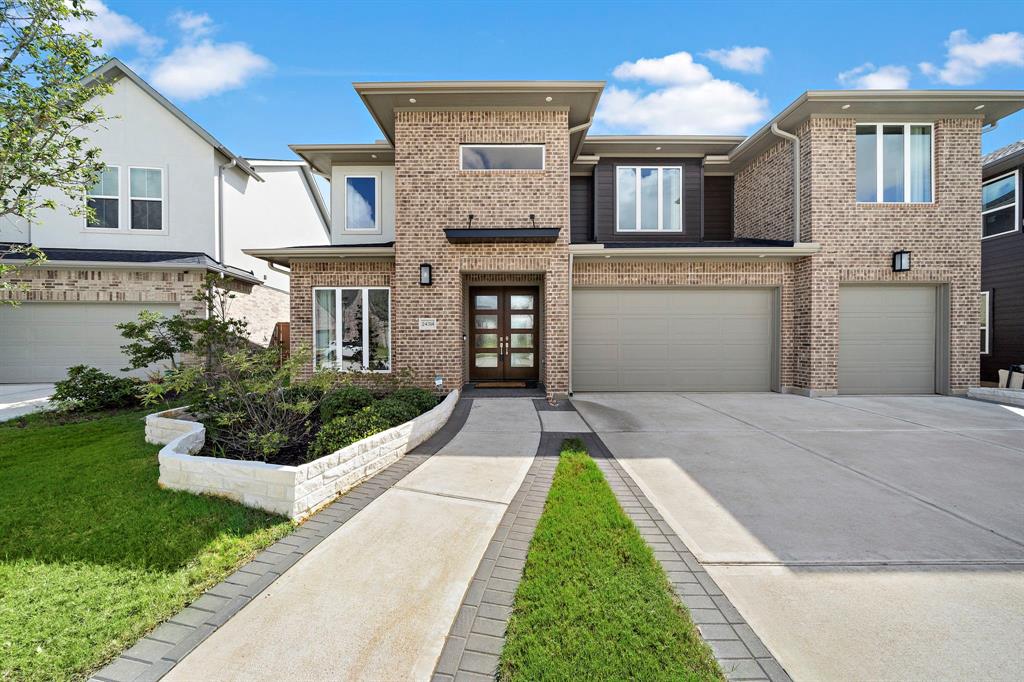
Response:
column 717, row 208
column 604, row 186
column 1002, row 274
column 581, row 208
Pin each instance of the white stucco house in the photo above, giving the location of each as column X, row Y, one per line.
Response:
column 172, row 205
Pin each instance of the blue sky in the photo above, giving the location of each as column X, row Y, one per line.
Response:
column 261, row 75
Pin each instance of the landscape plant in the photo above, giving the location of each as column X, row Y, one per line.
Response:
column 88, row 389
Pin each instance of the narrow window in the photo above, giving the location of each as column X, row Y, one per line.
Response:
column 103, row 199
column 985, row 315
column 999, row 206
column 867, row 163
column 361, row 202
column 145, row 193
column 894, row 163
column 501, row 157
column 649, row 199
column 352, row 329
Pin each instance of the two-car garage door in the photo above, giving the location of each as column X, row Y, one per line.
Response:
column 672, row 339
column 39, row 341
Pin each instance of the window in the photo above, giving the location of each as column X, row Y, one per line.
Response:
column 984, row 322
column 501, row 157
column 649, row 199
column 999, row 206
column 104, row 200
column 145, row 194
column 352, row 329
column 361, row 202
column 894, row 163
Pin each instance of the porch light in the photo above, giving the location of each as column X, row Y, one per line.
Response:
column 426, row 276
column 901, row 261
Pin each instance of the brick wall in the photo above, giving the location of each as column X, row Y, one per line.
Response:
column 261, row 306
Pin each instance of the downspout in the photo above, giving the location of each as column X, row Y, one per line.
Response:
column 220, row 207
column 796, row 177
column 277, row 268
column 568, row 389
column 990, row 127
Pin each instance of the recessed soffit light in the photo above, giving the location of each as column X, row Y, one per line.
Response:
column 657, row 149
column 548, row 98
column 845, row 106
column 979, row 107
column 412, row 100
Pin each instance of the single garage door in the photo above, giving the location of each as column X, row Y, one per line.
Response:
column 39, row 341
column 672, row 339
column 887, row 339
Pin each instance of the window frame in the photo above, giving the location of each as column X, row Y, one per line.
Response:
column 541, row 146
column 1016, row 203
column 120, row 189
column 661, row 199
column 162, row 200
column 376, row 177
column 880, row 162
column 987, row 327
column 365, row 302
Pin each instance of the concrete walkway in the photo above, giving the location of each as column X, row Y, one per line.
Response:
column 19, row 399
column 376, row 598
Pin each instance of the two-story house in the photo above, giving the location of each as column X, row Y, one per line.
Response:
column 1002, row 261
column 172, row 205
column 489, row 239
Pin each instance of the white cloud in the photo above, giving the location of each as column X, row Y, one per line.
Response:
column 745, row 59
column 691, row 101
column 967, row 61
column 115, row 30
column 193, row 25
column 197, row 70
column 868, row 77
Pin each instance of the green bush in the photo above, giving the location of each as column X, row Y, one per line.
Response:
column 344, row 401
column 419, row 398
column 88, row 389
column 345, row 430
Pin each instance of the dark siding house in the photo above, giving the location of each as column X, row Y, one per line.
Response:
column 1002, row 262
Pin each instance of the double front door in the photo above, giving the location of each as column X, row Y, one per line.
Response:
column 503, row 325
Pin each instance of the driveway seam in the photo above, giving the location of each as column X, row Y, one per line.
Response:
column 176, row 637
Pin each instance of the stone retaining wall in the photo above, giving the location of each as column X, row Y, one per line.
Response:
column 293, row 491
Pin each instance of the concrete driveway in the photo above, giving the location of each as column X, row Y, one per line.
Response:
column 875, row 538
column 19, row 399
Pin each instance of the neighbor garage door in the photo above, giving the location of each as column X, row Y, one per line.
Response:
column 39, row 341
column 672, row 339
column 887, row 339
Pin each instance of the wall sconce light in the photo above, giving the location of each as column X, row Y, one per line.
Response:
column 426, row 275
column 469, row 224
column 533, row 220
column 901, row 261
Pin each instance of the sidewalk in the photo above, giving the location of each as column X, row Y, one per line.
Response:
column 376, row 598
column 19, row 399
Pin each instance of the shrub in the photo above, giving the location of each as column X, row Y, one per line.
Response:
column 344, row 401
column 393, row 411
column 419, row 398
column 345, row 430
column 88, row 389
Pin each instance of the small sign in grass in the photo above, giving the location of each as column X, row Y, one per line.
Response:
column 594, row 603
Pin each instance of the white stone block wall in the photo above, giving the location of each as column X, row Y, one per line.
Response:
column 293, row 491
column 1010, row 396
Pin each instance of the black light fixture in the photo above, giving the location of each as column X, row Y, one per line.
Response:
column 533, row 220
column 901, row 261
column 426, row 275
column 470, row 223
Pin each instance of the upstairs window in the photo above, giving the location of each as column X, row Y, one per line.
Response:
column 104, row 200
column 146, row 197
column 999, row 206
column 649, row 199
column 501, row 157
column 894, row 163
column 361, row 203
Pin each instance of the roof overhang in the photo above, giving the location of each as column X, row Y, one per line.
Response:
column 578, row 97
column 481, row 235
column 226, row 271
column 660, row 145
column 284, row 256
column 1003, row 165
column 322, row 156
column 599, row 251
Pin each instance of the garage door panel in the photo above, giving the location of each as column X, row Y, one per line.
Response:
column 672, row 339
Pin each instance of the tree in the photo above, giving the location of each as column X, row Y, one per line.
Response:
column 47, row 105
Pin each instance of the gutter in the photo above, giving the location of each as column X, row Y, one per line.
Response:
column 220, row 206
column 796, row 177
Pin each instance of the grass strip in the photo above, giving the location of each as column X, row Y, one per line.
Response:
column 594, row 603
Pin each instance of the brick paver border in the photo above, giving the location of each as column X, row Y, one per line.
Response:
column 154, row 655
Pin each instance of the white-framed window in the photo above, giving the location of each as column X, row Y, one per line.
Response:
column 985, row 320
column 146, row 198
column 104, row 198
column 1000, row 207
column 501, row 157
column 362, row 203
column 649, row 199
column 895, row 163
column 352, row 329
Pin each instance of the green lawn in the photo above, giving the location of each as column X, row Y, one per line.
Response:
column 594, row 604
column 92, row 553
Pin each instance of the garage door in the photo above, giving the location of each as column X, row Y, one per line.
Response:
column 672, row 340
column 887, row 339
column 39, row 341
